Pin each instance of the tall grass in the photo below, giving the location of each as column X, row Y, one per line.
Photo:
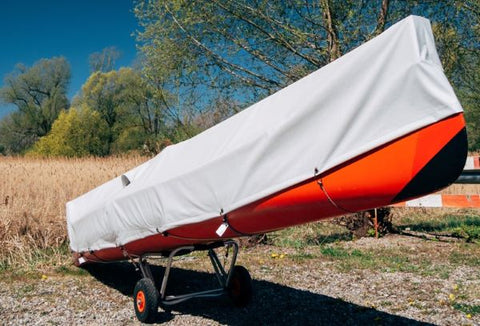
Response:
column 33, row 194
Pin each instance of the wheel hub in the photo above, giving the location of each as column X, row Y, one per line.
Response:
column 140, row 301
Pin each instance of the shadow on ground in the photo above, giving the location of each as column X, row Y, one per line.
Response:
column 273, row 304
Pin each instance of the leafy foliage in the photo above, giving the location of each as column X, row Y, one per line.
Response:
column 126, row 104
column 77, row 132
column 39, row 92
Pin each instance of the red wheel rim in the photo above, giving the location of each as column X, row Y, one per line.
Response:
column 140, row 300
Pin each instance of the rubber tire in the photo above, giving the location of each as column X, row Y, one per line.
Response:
column 150, row 300
column 240, row 287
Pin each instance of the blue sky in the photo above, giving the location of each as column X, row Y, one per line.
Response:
column 35, row 29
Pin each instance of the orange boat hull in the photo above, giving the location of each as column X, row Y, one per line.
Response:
column 414, row 165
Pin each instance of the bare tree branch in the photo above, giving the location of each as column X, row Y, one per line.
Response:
column 219, row 58
column 271, row 36
column 382, row 18
column 333, row 43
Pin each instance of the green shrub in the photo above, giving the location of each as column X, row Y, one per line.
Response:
column 75, row 133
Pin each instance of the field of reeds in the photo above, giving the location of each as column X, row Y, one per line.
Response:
column 34, row 191
column 33, row 194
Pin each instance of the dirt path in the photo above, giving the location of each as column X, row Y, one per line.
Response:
column 302, row 287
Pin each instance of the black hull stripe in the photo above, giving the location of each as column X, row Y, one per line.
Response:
column 441, row 171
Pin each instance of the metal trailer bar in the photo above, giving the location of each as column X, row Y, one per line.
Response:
column 173, row 300
column 218, row 268
column 145, row 269
column 163, row 288
column 469, row 177
column 223, row 276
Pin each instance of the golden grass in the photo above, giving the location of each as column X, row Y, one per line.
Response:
column 33, row 194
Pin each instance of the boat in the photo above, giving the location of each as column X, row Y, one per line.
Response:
column 378, row 126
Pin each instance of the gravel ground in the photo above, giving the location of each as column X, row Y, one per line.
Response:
column 287, row 291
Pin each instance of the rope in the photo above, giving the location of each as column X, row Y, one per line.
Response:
column 320, row 183
column 225, row 220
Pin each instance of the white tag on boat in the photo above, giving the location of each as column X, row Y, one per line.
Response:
column 81, row 260
column 221, row 229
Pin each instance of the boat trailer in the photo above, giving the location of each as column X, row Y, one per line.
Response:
column 235, row 282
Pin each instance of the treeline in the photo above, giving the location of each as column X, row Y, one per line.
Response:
column 116, row 111
column 201, row 61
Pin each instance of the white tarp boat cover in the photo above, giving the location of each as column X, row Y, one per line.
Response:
column 382, row 90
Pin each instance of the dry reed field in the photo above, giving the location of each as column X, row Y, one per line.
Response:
column 33, row 194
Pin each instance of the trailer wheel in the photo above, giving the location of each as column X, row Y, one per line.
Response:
column 145, row 300
column 240, row 287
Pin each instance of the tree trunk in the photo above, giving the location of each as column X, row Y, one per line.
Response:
column 382, row 18
column 332, row 38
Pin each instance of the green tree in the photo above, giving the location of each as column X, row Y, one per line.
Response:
column 250, row 49
column 457, row 35
column 468, row 75
column 128, row 105
column 75, row 133
column 138, row 104
column 245, row 50
column 15, row 133
column 100, row 92
column 39, row 93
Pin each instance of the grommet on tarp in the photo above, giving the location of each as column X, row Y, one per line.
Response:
column 315, row 171
column 165, row 233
